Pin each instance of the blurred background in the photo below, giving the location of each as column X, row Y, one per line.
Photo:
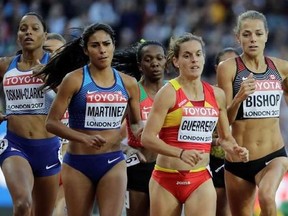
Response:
column 133, row 20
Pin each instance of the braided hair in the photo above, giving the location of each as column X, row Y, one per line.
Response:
column 128, row 59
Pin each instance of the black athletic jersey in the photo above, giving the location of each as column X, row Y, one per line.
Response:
column 265, row 101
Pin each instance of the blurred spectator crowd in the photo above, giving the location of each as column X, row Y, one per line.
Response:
column 132, row 20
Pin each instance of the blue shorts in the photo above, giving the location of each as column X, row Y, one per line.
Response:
column 94, row 166
column 43, row 155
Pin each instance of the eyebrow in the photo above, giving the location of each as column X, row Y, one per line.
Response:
column 98, row 42
column 32, row 24
column 188, row 52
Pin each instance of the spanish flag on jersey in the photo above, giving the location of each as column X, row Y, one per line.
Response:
column 190, row 124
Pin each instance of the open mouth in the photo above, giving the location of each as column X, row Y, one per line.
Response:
column 28, row 40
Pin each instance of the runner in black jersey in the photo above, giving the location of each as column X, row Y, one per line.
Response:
column 256, row 82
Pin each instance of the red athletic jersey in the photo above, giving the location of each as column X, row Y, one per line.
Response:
column 189, row 126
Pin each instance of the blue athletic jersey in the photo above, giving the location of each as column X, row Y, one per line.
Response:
column 97, row 108
column 21, row 89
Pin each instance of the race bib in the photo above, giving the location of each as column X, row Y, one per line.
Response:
column 23, row 93
column 104, row 110
column 65, row 121
column 132, row 160
column 59, row 153
column 265, row 101
column 127, row 202
column 3, row 145
column 197, row 124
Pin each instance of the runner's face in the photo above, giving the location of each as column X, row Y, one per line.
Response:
column 100, row 49
column 31, row 33
column 252, row 36
column 153, row 62
column 191, row 59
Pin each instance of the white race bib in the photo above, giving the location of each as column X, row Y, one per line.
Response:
column 3, row 145
column 265, row 101
column 132, row 160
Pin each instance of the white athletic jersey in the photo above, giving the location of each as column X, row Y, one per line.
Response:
column 22, row 94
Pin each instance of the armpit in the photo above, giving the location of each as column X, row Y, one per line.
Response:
column 285, row 85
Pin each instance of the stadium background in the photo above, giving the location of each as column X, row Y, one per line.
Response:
column 133, row 20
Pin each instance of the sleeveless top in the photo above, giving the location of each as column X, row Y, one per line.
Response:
column 265, row 101
column 21, row 89
column 145, row 108
column 98, row 108
column 189, row 126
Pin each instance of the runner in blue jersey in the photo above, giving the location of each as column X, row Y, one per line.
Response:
column 98, row 98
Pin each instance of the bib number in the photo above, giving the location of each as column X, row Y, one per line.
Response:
column 132, row 160
column 3, row 145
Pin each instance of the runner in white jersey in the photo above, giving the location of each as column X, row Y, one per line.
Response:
column 256, row 82
column 29, row 154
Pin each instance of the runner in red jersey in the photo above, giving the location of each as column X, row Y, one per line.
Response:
column 184, row 114
column 146, row 61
